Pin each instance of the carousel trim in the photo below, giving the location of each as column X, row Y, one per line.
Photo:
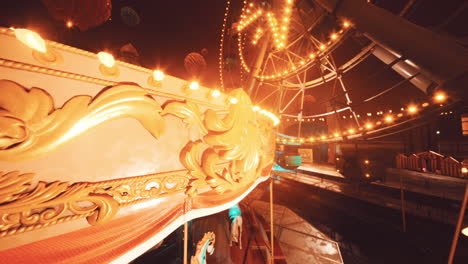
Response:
column 138, row 250
column 84, row 78
column 230, row 156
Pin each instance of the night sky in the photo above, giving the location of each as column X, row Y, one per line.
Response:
column 168, row 31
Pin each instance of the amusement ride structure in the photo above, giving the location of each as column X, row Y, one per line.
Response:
column 102, row 159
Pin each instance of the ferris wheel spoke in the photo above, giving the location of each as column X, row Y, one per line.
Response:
column 290, row 101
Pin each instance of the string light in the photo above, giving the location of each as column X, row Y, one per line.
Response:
column 279, row 32
column 221, row 45
column 389, row 118
column 440, row 97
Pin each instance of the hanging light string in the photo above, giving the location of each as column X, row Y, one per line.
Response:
column 279, row 29
column 221, row 45
column 388, row 119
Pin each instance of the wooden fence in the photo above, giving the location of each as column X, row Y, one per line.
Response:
column 431, row 161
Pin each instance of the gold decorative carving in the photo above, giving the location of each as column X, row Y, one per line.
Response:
column 49, row 203
column 30, row 126
column 231, row 153
column 89, row 79
column 23, row 208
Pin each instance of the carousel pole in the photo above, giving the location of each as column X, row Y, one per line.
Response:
column 185, row 242
column 271, row 223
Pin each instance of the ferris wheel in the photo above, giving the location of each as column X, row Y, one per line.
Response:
column 287, row 50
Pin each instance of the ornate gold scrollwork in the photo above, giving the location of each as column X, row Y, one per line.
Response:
column 30, row 126
column 47, row 204
column 230, row 154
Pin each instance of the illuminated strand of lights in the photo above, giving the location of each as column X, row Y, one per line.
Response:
column 221, row 44
column 386, row 119
column 268, row 114
column 322, row 49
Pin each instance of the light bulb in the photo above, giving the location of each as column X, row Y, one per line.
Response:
column 158, row 75
column 31, row 39
column 106, row 59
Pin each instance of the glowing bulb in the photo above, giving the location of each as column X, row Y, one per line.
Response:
column 312, row 56
column 346, row 24
column 389, row 118
column 464, row 170
column 465, row 231
column 106, row 59
column 336, row 134
column 256, row 108
column 323, row 137
column 194, row 85
column 69, row 24
column 366, row 161
column 334, row 36
column 440, row 97
column 215, row 93
column 412, row 109
column 322, row 47
column 351, row 131
column 367, row 175
column 158, row 75
column 368, row 125
column 233, row 100
column 31, row 39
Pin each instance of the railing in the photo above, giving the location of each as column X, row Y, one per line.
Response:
column 431, row 161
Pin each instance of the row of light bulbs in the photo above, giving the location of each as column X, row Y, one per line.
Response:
column 438, row 98
column 312, row 56
column 37, row 43
column 279, row 42
column 221, row 44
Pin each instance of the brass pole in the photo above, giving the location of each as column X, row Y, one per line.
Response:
column 458, row 228
column 402, row 196
column 271, row 223
column 185, row 242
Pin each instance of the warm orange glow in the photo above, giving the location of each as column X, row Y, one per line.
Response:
column 215, row 93
column 31, row 39
column 322, row 47
column 388, row 118
column 301, row 140
column 464, row 170
column 440, row 97
column 346, row 24
column 337, row 134
column 158, row 75
column 233, row 100
column 334, row 36
column 194, row 86
column 367, row 175
column 368, row 125
column 69, row 24
column 323, row 137
column 412, row 109
column 351, row 131
column 106, row 59
column 256, row 108
column 337, row 158
column 465, row 231
column 311, row 139
column 366, row 161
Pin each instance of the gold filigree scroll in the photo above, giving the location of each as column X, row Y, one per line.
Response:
column 23, row 208
column 231, row 153
column 30, row 126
